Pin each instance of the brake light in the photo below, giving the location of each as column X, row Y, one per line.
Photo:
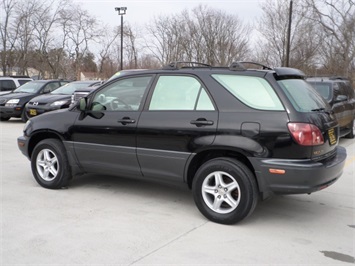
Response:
column 306, row 134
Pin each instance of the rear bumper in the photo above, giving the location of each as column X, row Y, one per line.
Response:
column 301, row 176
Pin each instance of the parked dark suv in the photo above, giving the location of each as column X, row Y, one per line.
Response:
column 231, row 134
column 341, row 97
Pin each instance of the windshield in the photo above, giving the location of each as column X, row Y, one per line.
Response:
column 30, row 87
column 302, row 95
column 69, row 88
column 323, row 89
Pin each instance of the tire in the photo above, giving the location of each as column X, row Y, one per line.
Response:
column 50, row 165
column 2, row 118
column 225, row 190
column 24, row 116
column 352, row 131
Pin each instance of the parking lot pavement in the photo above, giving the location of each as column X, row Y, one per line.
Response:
column 110, row 221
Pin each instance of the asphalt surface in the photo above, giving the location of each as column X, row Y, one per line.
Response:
column 100, row 220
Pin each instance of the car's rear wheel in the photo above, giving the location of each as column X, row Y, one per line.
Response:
column 50, row 165
column 225, row 190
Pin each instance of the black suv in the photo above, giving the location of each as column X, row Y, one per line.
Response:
column 341, row 97
column 231, row 134
column 13, row 104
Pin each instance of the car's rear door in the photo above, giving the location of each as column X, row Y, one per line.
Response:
column 178, row 119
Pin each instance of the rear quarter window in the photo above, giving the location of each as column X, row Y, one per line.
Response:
column 254, row 92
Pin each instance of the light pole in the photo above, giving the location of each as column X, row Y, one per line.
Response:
column 121, row 11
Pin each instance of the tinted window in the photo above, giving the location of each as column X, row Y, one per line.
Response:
column 252, row 91
column 323, row 89
column 7, row 85
column 23, row 81
column 51, row 87
column 180, row 93
column 124, row 94
column 302, row 95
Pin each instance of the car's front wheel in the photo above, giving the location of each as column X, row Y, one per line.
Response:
column 50, row 165
column 225, row 190
column 24, row 116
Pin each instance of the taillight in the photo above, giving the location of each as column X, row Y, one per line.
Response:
column 306, row 134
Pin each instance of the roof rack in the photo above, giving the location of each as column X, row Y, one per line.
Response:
column 18, row 76
column 328, row 77
column 240, row 64
column 178, row 65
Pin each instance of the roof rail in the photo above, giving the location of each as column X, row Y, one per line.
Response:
column 178, row 64
column 329, row 77
column 18, row 76
column 254, row 63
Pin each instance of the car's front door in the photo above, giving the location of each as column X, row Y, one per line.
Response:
column 178, row 120
column 104, row 137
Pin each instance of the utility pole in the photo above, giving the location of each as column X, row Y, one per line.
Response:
column 288, row 44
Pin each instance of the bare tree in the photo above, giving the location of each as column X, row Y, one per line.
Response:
column 273, row 25
column 107, row 40
column 204, row 35
column 80, row 29
column 224, row 37
column 337, row 20
column 7, row 7
column 131, row 45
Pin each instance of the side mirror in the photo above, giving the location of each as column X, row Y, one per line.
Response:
column 83, row 102
column 341, row 98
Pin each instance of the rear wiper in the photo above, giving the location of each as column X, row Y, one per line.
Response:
column 322, row 110
column 318, row 110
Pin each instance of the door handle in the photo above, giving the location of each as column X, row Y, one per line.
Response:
column 202, row 122
column 126, row 120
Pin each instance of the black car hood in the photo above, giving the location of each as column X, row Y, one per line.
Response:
column 51, row 98
column 16, row 95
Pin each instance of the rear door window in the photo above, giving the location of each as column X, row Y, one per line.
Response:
column 180, row 93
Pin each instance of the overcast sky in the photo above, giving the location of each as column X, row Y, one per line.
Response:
column 140, row 12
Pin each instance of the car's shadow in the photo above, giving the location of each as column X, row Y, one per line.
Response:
column 13, row 121
column 297, row 210
column 154, row 189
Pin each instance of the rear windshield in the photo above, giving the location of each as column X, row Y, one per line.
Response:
column 23, row 81
column 323, row 89
column 302, row 95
